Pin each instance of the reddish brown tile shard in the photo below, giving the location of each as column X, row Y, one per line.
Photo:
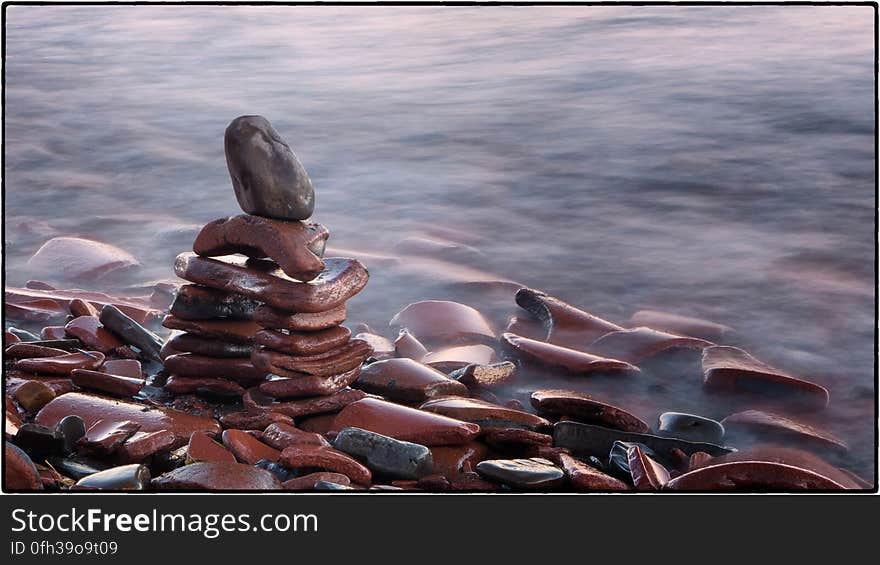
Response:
column 303, row 343
column 576, row 362
column 299, row 456
column 308, row 385
column 405, row 380
column 582, row 407
column 403, row 423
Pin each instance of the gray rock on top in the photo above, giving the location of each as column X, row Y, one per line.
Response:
column 267, row 177
column 386, row 455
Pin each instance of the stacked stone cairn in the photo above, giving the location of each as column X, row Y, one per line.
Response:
column 262, row 317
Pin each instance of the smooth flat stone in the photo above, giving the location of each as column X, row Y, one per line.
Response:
column 575, row 362
column 66, row 345
column 646, row 473
column 405, row 380
column 583, row 407
column 514, row 438
column 70, row 429
column 61, row 364
column 92, row 334
column 731, row 368
column 333, row 362
column 381, row 346
column 267, row 176
column 11, row 417
column 246, row 420
column 444, row 321
column 116, row 385
column 682, row 325
column 38, row 311
column 202, row 448
column 137, row 308
column 10, row 338
column 191, row 343
column 130, row 368
column 452, row 358
column 248, row 449
column 563, row 323
column 308, row 482
column 142, row 445
column 385, row 455
column 303, row 455
column 296, row 247
column 305, row 407
column 29, row 351
column 131, row 332
column 192, row 365
column 535, row 473
column 79, row 259
column 106, row 436
column 269, row 317
column 19, row 472
column 281, row 436
column 93, row 408
column 79, row 307
column 752, row 476
column 307, row 385
column 262, row 280
column 453, row 460
column 192, row 385
column 690, row 427
column 22, row 335
column 33, row 395
column 404, row 423
column 215, row 475
column 126, row 477
column 486, row 414
column 194, row 302
column 485, row 376
column 407, row 345
column 15, row 379
column 53, row 332
column 584, row 478
column 303, row 343
column 637, row 344
column 235, row 331
column 593, row 440
column 768, row 425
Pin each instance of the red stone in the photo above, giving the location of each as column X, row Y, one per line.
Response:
column 144, row 444
column 486, row 414
column 319, row 424
column 333, row 362
column 9, row 338
column 253, row 420
column 53, row 332
column 451, row 460
column 584, row 408
column 106, row 436
column 116, row 385
column 408, row 345
column 262, row 280
column 202, row 448
column 93, row 408
column 307, row 482
column 513, row 438
column 306, row 406
column 486, row 376
column 281, row 436
column 269, row 317
column 444, row 321
column 247, row 449
column 79, row 307
column 12, row 418
column 381, row 346
column 187, row 385
column 235, row 331
column 308, row 385
column 404, row 423
column 752, row 476
column 453, row 358
column 123, row 367
column 92, row 334
column 139, row 309
column 28, row 351
column 682, row 325
column 33, row 395
column 405, row 380
column 192, row 365
column 731, row 368
column 209, row 347
column 19, row 472
column 638, row 344
column 302, row 455
column 646, row 473
column 289, row 244
column 775, row 426
column 215, row 475
column 78, row 258
column 40, row 310
column 564, row 324
column 584, row 478
column 576, row 362
column 303, row 343
column 61, row 364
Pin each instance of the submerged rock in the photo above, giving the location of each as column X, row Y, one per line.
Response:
column 570, row 360
column 564, row 324
column 79, row 259
column 690, row 427
column 768, row 425
column 444, row 321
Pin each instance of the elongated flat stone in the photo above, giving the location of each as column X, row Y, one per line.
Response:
column 564, row 324
column 235, row 331
column 404, row 423
column 191, row 343
column 485, row 376
column 308, row 482
column 307, row 385
column 381, row 346
column 30, row 351
column 194, row 302
column 534, row 473
column 646, row 473
column 262, row 280
column 452, row 460
column 576, row 362
column 90, row 331
column 408, row 345
column 514, row 438
column 106, row 436
column 299, row 456
column 690, row 427
column 405, row 380
column 145, row 444
column 187, row 385
column 123, row 367
column 202, row 448
column 587, row 439
column 192, row 365
column 444, row 321
column 19, row 472
column 247, row 448
column 333, row 362
column 682, row 325
column 306, row 406
column 256, row 421
column 731, row 368
column 637, row 344
column 131, row 332
column 583, row 407
column 281, row 436
column 296, row 247
column 123, row 478
column 584, row 478
column 486, row 414
column 61, row 364
column 116, row 385
column 138, row 309
column 452, row 358
column 752, row 476
column 303, row 343
column 215, row 475
column 770, row 426
column 269, row 317
column 385, row 455
column 94, row 408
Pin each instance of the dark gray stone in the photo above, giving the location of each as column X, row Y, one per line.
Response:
column 267, row 176
column 385, row 455
column 126, row 477
column 521, row 473
column 37, row 441
column 131, row 332
column 75, row 468
column 23, row 335
column 690, row 427
column 69, row 430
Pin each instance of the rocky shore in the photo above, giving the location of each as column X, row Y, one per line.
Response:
column 245, row 377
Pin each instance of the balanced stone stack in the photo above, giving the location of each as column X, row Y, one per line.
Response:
column 264, row 302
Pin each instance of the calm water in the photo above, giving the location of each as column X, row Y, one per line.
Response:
column 715, row 162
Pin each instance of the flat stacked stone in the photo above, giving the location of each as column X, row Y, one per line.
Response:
column 265, row 307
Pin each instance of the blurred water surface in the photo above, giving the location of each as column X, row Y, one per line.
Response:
column 711, row 161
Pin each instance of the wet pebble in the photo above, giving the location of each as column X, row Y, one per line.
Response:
column 33, row 395
column 385, row 455
column 582, row 407
column 281, row 472
column 213, row 475
column 61, row 364
column 248, row 449
column 38, row 441
column 308, row 482
column 534, row 473
column 690, row 427
column 408, row 381
column 300, row 456
column 90, row 331
column 70, row 429
column 131, row 332
column 444, row 322
column 485, row 376
column 106, row 436
column 19, row 472
column 202, row 448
